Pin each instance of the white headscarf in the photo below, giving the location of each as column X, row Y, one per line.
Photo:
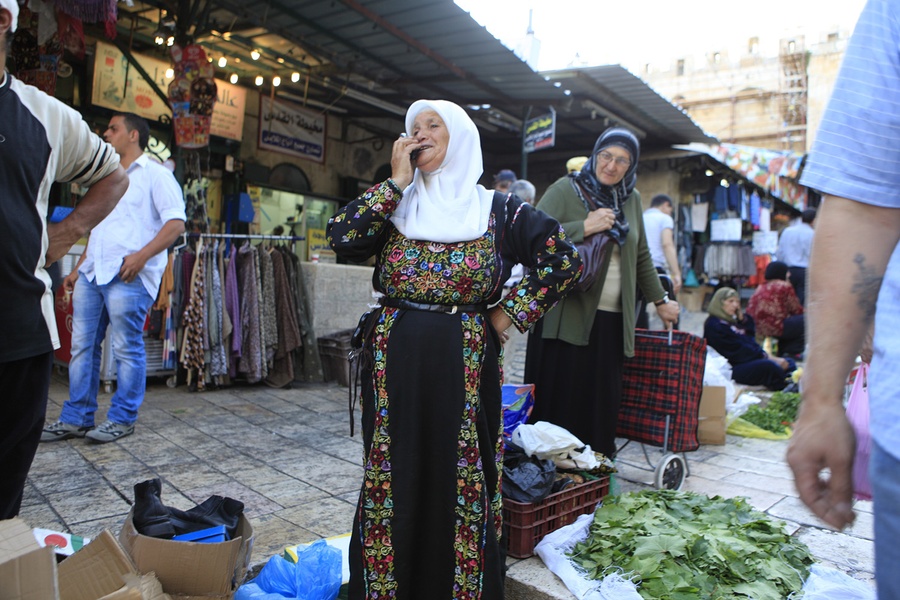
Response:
column 447, row 205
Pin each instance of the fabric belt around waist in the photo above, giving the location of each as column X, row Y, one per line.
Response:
column 450, row 309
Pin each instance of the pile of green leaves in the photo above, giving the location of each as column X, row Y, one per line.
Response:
column 686, row 546
column 779, row 414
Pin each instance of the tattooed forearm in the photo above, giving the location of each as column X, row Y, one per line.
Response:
column 866, row 283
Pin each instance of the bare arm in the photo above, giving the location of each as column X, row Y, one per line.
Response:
column 851, row 249
column 668, row 246
column 134, row 263
column 98, row 202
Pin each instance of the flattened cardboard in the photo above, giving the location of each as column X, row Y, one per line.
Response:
column 190, row 569
column 712, row 425
column 27, row 571
column 97, row 570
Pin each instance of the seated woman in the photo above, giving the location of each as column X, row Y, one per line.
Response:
column 732, row 335
column 777, row 311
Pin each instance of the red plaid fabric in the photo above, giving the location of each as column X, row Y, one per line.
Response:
column 663, row 380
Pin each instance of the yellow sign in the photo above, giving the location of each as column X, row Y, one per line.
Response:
column 316, row 243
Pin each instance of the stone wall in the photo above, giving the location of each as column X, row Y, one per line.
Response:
column 340, row 294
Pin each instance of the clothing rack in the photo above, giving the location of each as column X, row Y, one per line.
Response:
column 238, row 236
column 247, row 236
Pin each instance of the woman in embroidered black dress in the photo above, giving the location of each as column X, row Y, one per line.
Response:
column 428, row 521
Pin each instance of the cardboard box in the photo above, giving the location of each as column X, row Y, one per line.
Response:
column 27, row 571
column 190, row 570
column 711, row 429
column 693, row 299
column 103, row 570
column 99, row 571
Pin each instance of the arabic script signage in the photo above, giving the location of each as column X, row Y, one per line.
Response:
column 291, row 129
column 540, row 132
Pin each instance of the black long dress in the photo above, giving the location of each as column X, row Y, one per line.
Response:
column 428, row 522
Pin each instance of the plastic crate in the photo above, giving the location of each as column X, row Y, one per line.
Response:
column 524, row 524
column 333, row 350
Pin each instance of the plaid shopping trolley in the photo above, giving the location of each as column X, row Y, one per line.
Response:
column 661, row 390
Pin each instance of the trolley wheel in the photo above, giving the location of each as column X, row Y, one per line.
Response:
column 670, row 472
column 171, row 381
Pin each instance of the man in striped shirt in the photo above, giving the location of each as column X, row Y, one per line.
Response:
column 42, row 141
column 855, row 163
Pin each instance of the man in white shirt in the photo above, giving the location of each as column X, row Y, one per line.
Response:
column 118, row 278
column 659, row 228
column 794, row 247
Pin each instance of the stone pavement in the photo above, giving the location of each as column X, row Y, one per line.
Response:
column 288, row 456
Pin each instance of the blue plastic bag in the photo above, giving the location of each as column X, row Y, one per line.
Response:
column 315, row 576
column 517, row 400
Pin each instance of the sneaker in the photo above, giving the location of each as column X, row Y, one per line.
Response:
column 63, row 431
column 109, row 432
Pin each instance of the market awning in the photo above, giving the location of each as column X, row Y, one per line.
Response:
column 776, row 171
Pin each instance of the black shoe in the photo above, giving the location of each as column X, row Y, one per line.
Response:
column 151, row 517
column 215, row 510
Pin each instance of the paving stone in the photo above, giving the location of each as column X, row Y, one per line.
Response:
column 793, row 509
column 326, row 518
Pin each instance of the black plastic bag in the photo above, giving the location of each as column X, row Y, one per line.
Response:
column 526, row 478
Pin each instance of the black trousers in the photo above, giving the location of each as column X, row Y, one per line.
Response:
column 25, row 384
column 798, row 280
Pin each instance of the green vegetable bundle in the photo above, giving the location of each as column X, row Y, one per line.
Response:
column 779, row 414
column 685, row 546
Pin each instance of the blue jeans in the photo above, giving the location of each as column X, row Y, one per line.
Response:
column 884, row 471
column 124, row 306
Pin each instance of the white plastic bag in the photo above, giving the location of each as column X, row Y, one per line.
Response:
column 548, row 441
column 825, row 583
column 552, row 550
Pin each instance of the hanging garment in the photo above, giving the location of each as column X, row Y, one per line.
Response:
column 281, row 373
column 250, row 363
column 192, row 351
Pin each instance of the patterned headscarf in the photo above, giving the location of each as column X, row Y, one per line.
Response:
column 605, row 196
column 717, row 305
column 447, row 205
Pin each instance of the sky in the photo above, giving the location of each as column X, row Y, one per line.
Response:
column 633, row 33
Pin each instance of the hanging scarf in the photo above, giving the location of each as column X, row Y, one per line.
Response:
column 598, row 195
column 447, row 205
column 717, row 305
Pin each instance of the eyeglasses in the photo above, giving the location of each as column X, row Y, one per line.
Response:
column 621, row 161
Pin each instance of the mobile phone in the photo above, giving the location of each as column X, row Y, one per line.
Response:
column 414, row 154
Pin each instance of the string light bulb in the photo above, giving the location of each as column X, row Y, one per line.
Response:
column 170, row 73
column 259, row 80
column 254, row 54
column 295, row 76
column 159, row 39
column 234, row 78
column 276, row 81
column 222, row 62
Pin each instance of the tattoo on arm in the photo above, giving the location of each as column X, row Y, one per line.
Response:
column 865, row 286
